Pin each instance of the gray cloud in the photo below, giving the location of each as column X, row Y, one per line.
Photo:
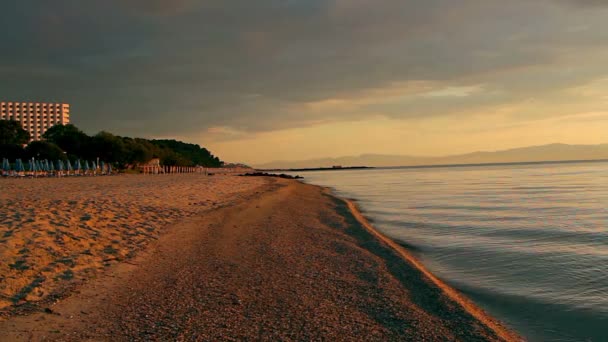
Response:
column 586, row 3
column 173, row 67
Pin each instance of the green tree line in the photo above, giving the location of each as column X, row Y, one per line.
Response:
column 67, row 141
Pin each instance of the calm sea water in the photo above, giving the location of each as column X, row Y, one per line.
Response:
column 528, row 243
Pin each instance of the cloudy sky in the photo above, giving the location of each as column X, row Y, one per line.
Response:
column 263, row 80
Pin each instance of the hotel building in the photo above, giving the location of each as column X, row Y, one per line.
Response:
column 36, row 117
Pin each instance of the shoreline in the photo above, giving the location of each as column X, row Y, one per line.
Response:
column 498, row 327
column 283, row 254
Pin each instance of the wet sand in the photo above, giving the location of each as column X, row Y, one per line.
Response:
column 281, row 260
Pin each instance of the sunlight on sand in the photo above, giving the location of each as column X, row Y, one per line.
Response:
column 56, row 232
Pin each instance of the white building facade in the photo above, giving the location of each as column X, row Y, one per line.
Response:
column 36, row 117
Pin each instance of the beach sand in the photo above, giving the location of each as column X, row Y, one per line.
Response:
column 271, row 260
column 56, row 232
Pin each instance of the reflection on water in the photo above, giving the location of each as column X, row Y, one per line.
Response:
column 529, row 243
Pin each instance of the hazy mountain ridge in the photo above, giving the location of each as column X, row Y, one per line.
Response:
column 552, row 152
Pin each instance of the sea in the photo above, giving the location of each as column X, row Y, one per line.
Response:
column 527, row 242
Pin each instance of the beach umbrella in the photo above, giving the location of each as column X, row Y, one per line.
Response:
column 37, row 165
column 68, row 165
column 51, row 166
column 78, row 166
column 86, row 165
column 5, row 166
column 60, row 167
column 19, row 165
column 30, row 165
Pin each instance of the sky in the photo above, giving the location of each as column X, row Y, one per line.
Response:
column 257, row 81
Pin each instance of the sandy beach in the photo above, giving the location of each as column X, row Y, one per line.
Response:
column 54, row 232
column 192, row 258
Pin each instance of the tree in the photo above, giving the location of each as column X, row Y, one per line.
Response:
column 11, row 133
column 121, row 151
column 191, row 154
column 69, row 138
column 11, row 151
column 172, row 158
column 136, row 152
column 44, row 150
column 107, row 147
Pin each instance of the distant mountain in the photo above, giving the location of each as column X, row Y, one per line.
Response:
column 552, row 152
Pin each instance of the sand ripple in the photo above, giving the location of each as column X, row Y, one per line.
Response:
column 57, row 232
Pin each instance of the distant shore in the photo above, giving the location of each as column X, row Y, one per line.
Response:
column 227, row 258
column 319, row 169
column 425, row 166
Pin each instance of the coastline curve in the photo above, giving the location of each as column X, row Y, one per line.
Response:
column 456, row 297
